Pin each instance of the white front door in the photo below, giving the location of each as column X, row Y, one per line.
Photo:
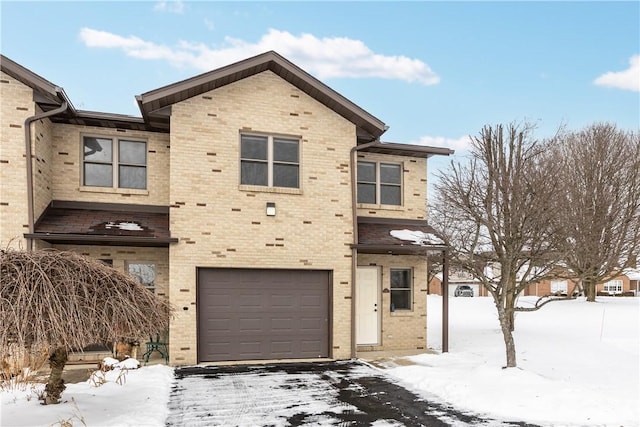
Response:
column 367, row 306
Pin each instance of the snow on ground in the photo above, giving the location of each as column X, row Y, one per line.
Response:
column 578, row 365
column 115, row 398
column 578, row 362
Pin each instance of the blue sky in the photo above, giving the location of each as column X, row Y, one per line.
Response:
column 434, row 72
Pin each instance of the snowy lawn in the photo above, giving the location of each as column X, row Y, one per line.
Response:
column 578, row 366
column 578, row 362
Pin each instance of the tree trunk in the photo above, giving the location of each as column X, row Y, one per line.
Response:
column 510, row 314
column 590, row 289
column 507, row 332
column 55, row 386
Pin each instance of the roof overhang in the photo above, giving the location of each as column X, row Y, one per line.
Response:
column 110, row 224
column 374, row 237
column 408, row 150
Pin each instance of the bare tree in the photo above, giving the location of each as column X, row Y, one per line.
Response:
column 597, row 202
column 60, row 301
column 494, row 212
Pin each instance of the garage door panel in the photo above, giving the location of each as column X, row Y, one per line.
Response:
column 262, row 314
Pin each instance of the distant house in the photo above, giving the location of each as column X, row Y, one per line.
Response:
column 255, row 198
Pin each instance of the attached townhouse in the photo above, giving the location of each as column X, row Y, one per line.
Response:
column 259, row 201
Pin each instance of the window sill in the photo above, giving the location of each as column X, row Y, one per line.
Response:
column 402, row 313
column 380, row 207
column 265, row 189
column 110, row 190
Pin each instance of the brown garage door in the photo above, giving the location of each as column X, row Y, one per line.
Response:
column 247, row 314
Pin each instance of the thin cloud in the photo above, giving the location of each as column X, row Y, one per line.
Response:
column 209, row 24
column 327, row 57
column 460, row 144
column 171, row 6
column 628, row 79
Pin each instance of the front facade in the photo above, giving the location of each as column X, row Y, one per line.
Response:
column 240, row 195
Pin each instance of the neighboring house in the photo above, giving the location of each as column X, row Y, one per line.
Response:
column 457, row 277
column 259, row 201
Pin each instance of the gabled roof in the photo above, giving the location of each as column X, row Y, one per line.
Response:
column 45, row 92
column 49, row 96
column 155, row 105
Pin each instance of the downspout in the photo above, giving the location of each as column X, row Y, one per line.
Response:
column 354, row 251
column 27, row 146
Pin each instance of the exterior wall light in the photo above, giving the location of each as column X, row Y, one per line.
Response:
column 271, row 209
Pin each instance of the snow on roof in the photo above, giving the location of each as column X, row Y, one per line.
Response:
column 131, row 226
column 417, row 237
column 632, row 273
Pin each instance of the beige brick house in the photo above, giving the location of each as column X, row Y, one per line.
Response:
column 257, row 199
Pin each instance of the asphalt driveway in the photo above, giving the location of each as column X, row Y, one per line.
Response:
column 349, row 393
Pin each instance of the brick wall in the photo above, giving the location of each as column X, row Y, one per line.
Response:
column 401, row 329
column 221, row 224
column 414, row 189
column 17, row 104
column 66, row 153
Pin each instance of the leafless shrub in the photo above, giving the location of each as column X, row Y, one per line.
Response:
column 53, row 301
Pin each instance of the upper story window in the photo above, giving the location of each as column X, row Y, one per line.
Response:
column 380, row 183
column 114, row 162
column 270, row 161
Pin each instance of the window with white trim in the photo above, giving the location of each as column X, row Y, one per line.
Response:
column 401, row 288
column 145, row 273
column 270, row 161
column 380, row 183
column 613, row 287
column 114, row 162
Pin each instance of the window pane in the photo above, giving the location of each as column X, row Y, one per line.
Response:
column 389, row 174
column 400, row 279
column 144, row 273
column 285, row 176
column 253, row 147
column 97, row 149
column 133, row 152
column 366, row 193
column 366, row 172
column 390, row 195
column 285, row 150
column 98, row 175
column 253, row 173
column 133, row 177
column 401, row 300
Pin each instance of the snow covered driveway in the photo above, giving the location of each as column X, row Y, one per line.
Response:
column 319, row 394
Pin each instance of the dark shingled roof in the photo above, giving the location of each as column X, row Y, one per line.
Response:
column 85, row 223
column 374, row 236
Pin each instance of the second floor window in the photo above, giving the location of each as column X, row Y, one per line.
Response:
column 269, row 161
column 113, row 162
column 380, row 183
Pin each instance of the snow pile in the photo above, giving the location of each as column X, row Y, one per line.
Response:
column 116, row 398
column 128, row 363
column 417, row 237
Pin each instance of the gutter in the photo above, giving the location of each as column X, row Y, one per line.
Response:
column 354, row 250
column 27, row 145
